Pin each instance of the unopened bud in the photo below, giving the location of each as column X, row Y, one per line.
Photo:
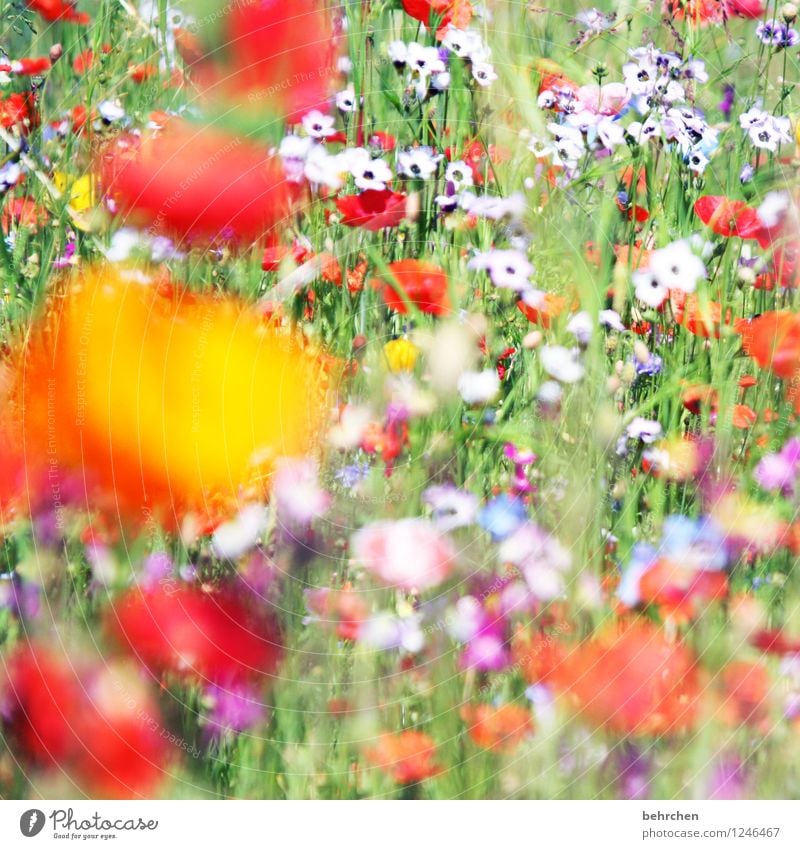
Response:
column 56, row 51
column 789, row 12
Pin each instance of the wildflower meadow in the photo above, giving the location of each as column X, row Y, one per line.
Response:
column 399, row 400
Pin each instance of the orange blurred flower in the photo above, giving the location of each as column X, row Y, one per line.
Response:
column 408, row 756
column 632, row 681
column 497, row 728
column 773, row 341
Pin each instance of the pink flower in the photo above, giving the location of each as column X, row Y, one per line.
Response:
column 409, row 553
column 298, row 495
column 609, row 99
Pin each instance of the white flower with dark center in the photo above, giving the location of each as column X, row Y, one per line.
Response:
column 318, row 125
column 483, row 73
column 459, row 174
column 611, row 319
column 398, row 53
column 642, row 132
column 648, row 290
column 368, row 173
column 508, row 269
column 647, row 430
column 754, row 117
column 677, row 266
column 697, row 161
column 773, row 132
column 463, row 42
column 111, row 110
column 610, row 133
column 419, row 163
column 424, row 60
column 562, row 363
column 293, row 151
column 346, row 100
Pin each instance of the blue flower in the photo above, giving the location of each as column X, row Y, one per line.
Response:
column 502, row 516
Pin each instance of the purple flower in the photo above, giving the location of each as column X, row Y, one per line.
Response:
column 634, row 768
column 778, row 472
column 234, row 709
column 19, row 596
column 726, row 104
column 728, row 779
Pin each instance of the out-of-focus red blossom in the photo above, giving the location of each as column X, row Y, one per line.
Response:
column 385, row 141
column 632, row 680
column 728, row 217
column 142, row 72
column 457, row 13
column 697, row 12
column 27, row 67
column 84, row 61
column 772, row 339
column 775, row 641
column 408, row 757
column 538, row 655
column 498, row 729
column 551, row 307
column 700, row 318
column 271, row 55
column 345, row 609
column 19, row 111
column 751, row 9
column 220, row 637
column 746, row 686
column 58, row 10
column 680, row 590
column 62, row 713
column 23, row 212
column 229, row 189
column 372, row 209
column 423, row 283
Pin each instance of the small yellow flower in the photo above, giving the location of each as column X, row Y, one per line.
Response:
column 80, row 192
column 401, row 355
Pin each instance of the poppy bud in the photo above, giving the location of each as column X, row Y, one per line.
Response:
column 56, row 52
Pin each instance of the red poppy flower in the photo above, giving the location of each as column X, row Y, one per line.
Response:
column 27, row 67
column 701, row 319
column 750, row 9
column 551, row 307
column 498, row 729
column 747, row 687
column 680, row 590
column 58, row 10
column 267, row 58
column 632, row 681
column 775, row 641
column 457, row 13
column 216, row 637
column 372, row 210
column 19, row 111
column 424, row 284
column 192, row 182
column 697, row 12
column 729, row 217
column 24, row 212
column 97, row 723
column 408, row 757
column 773, row 340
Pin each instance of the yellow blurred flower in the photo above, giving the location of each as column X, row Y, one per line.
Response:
column 151, row 398
column 81, row 189
column 401, row 355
